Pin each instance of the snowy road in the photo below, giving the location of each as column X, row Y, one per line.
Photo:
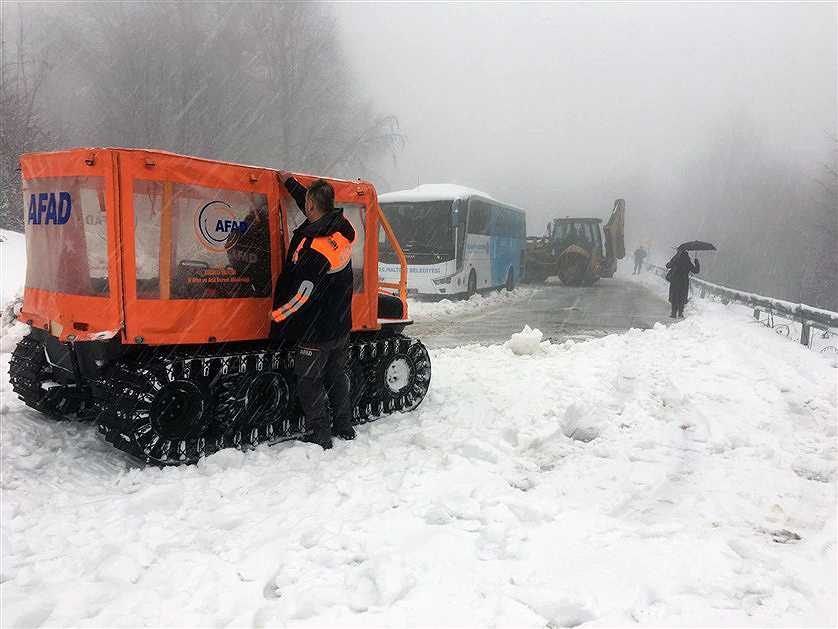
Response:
column 680, row 475
column 560, row 312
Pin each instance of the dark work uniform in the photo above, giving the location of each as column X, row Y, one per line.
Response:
column 680, row 267
column 313, row 313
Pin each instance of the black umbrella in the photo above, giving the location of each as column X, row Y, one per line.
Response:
column 697, row 245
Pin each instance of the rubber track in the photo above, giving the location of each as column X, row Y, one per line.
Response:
column 125, row 422
column 26, row 374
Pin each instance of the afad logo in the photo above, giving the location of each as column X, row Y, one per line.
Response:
column 49, row 208
column 215, row 223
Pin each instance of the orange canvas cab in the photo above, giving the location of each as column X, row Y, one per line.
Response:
column 149, row 281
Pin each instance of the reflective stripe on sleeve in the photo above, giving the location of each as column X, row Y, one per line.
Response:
column 295, row 303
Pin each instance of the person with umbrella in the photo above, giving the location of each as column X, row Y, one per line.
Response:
column 678, row 276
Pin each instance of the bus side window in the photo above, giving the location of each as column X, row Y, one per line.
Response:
column 500, row 228
column 478, row 217
column 511, row 224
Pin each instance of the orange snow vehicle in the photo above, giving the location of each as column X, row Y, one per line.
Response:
column 148, row 287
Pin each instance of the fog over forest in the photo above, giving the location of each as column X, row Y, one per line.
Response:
column 715, row 122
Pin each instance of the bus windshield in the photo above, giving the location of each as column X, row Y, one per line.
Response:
column 423, row 227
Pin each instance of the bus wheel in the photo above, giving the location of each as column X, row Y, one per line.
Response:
column 510, row 280
column 472, row 283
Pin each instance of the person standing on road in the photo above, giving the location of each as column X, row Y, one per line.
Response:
column 680, row 267
column 313, row 309
column 639, row 256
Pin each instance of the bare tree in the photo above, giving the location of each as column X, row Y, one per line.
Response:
column 822, row 265
column 316, row 121
column 774, row 225
column 23, row 125
column 261, row 83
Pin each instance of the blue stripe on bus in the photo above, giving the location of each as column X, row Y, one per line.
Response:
column 505, row 253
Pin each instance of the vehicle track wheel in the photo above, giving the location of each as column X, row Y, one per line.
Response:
column 29, row 373
column 178, row 410
column 510, row 280
column 267, row 406
column 403, row 375
column 159, row 416
column 472, row 283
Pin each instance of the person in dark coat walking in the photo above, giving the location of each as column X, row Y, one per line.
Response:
column 680, row 267
column 639, row 256
column 313, row 309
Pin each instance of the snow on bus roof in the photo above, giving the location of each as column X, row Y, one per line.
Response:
column 432, row 192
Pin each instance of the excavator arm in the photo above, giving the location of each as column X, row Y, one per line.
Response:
column 615, row 246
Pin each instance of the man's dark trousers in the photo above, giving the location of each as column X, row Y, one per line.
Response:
column 323, row 385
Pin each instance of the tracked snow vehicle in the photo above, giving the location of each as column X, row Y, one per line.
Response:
column 572, row 249
column 148, row 288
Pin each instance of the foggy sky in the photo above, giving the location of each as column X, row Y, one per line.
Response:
column 562, row 108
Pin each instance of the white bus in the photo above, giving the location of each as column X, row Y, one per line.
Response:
column 457, row 241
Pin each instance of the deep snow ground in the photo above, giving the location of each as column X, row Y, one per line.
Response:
column 657, row 476
column 12, row 273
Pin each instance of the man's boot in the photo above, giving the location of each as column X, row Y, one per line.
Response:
column 324, row 441
column 346, row 433
column 321, row 435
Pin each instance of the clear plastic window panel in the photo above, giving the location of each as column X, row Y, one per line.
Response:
column 356, row 215
column 66, row 235
column 195, row 242
column 295, row 216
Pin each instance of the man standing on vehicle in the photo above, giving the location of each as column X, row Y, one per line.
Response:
column 313, row 309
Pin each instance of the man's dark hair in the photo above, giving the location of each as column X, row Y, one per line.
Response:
column 323, row 195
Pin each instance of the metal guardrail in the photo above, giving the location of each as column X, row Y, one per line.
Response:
column 808, row 316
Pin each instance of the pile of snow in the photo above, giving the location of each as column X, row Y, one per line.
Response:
column 684, row 475
column 13, row 265
column 581, row 423
column 526, row 342
column 450, row 309
column 431, row 192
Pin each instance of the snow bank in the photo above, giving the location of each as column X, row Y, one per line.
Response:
column 820, row 340
column 526, row 342
column 680, row 475
column 431, row 192
column 12, row 279
column 13, row 262
column 450, row 309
